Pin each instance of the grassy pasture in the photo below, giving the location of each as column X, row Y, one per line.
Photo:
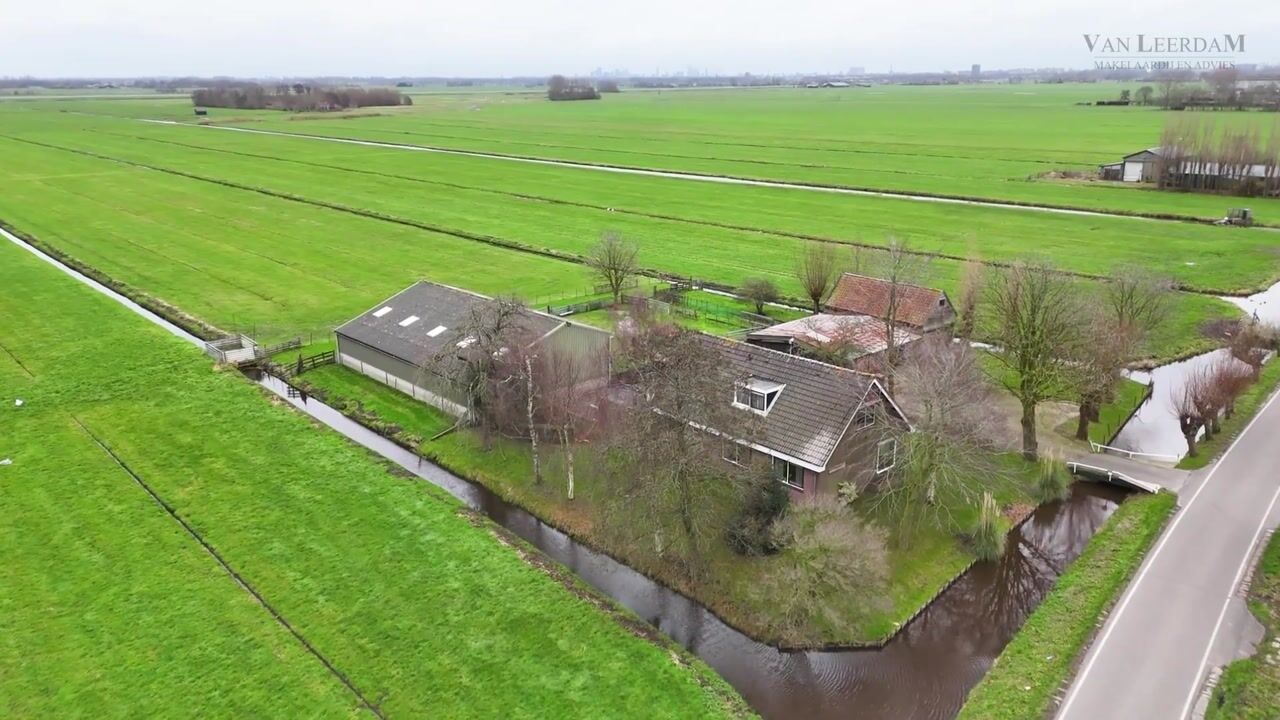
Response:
column 274, row 260
column 109, row 608
column 972, row 141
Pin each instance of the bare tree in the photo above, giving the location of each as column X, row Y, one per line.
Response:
column 816, row 270
column 972, row 282
column 671, row 486
column 760, row 291
column 1036, row 325
column 1169, row 83
column 614, row 261
column 1230, row 378
column 1223, row 81
column 474, row 366
column 1191, row 405
column 898, row 267
column 1144, row 94
column 573, row 396
column 1100, row 358
column 947, row 461
column 1137, row 301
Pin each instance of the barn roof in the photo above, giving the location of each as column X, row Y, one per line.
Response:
column 418, row 322
column 863, row 295
column 812, row 411
column 862, row 333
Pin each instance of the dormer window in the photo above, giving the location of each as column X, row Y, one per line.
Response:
column 757, row 395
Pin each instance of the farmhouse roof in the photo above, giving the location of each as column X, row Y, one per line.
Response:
column 1157, row 151
column 420, row 321
column 865, row 334
column 863, row 295
column 813, row 409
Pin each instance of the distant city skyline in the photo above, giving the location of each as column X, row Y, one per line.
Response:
column 488, row 38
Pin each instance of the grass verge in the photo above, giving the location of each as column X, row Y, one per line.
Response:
column 1249, row 689
column 1023, row 680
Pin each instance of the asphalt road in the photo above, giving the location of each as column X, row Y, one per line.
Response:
column 1180, row 615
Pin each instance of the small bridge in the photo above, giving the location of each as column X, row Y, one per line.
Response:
column 1114, row 477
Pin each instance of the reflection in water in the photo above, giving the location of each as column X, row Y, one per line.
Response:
column 1263, row 306
column 924, row 672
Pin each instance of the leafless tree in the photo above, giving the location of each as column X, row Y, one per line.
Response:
column 816, row 270
column 831, row 555
column 614, row 261
column 1137, row 301
column 1169, row 83
column 899, row 267
column 972, row 283
column 474, row 366
column 1223, row 81
column 1230, row 378
column 1144, row 94
column 573, row 398
column 947, row 460
column 670, row 486
column 1100, row 358
column 760, row 291
column 1035, row 322
column 1190, row 403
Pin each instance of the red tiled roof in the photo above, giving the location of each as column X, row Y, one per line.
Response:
column 864, row 295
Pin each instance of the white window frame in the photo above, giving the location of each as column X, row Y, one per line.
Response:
column 863, row 420
column 768, row 395
column 784, row 477
column 732, row 453
column 893, row 458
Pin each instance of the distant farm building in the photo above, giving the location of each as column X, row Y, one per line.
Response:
column 918, row 308
column 1178, row 170
column 397, row 339
column 1141, row 166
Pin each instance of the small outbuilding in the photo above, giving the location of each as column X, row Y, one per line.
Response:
column 919, row 308
column 394, row 341
column 856, row 340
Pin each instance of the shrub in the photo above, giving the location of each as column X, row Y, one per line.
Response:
column 989, row 534
column 1053, row 481
column 749, row 533
column 847, row 492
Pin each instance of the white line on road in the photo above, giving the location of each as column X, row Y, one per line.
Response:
column 1244, row 564
column 1112, row 620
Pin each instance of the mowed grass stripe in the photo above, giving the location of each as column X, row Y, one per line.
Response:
column 324, row 265
column 415, row 600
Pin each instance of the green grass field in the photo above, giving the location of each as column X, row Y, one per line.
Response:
column 1249, row 689
column 281, row 235
column 108, row 608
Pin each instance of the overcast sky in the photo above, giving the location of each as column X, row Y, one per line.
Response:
column 506, row 37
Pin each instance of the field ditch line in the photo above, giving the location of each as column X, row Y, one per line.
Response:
column 226, row 567
column 17, row 362
column 918, row 196
column 699, row 138
column 604, row 208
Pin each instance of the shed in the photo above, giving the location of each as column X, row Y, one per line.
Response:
column 1141, row 166
column 922, row 308
column 392, row 341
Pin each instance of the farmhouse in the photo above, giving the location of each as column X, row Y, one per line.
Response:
column 856, row 340
column 820, row 425
column 918, row 308
column 392, row 341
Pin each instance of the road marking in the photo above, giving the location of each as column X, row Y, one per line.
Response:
column 1204, row 659
column 1151, row 559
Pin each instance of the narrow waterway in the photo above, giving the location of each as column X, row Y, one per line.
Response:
column 923, row 673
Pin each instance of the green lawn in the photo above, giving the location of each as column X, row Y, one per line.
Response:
column 1249, row 689
column 1033, row 666
column 916, row 572
column 107, row 607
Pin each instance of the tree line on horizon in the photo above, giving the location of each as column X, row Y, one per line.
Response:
column 297, row 97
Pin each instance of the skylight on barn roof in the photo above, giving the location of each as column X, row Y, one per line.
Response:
column 433, row 332
column 409, row 321
column 383, row 311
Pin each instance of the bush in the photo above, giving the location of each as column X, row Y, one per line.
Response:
column 831, row 554
column 847, row 492
column 989, row 534
column 1053, row 481
column 749, row 533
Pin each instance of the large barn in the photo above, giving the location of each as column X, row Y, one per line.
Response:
column 394, row 340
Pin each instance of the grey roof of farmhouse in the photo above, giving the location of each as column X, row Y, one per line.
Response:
column 813, row 410
column 439, row 310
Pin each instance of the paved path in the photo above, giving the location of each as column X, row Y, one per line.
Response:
column 1180, row 616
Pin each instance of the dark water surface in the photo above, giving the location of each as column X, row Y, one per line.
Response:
column 924, row 672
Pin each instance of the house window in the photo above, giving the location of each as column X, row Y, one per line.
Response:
column 757, row 395
column 733, row 452
column 886, row 455
column 789, row 473
column 863, row 420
